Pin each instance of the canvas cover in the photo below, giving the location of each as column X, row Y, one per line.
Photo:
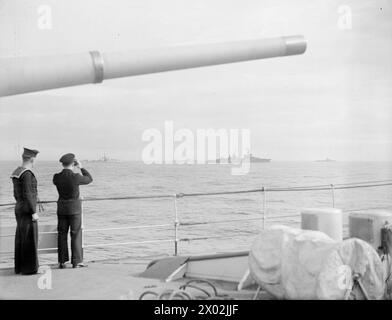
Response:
column 292, row 263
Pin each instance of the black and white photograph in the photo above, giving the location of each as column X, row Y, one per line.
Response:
column 196, row 150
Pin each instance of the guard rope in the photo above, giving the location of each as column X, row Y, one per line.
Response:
column 367, row 184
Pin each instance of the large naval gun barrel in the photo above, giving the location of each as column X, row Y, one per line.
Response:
column 36, row 73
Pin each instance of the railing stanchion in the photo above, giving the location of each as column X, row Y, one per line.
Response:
column 333, row 195
column 82, row 222
column 176, row 225
column 264, row 205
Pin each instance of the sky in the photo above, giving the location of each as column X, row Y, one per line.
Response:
column 333, row 101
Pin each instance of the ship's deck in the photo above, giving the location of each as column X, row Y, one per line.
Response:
column 100, row 280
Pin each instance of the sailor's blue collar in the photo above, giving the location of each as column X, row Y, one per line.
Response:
column 19, row 171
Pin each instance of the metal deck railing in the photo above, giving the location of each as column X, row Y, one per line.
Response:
column 176, row 224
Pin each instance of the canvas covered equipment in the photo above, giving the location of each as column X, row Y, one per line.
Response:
column 302, row 264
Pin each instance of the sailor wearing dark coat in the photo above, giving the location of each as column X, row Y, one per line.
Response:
column 69, row 209
column 25, row 193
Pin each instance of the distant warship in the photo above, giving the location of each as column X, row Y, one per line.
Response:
column 249, row 156
column 326, row 160
column 104, row 158
column 258, row 160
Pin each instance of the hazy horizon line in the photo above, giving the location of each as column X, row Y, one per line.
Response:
column 207, row 162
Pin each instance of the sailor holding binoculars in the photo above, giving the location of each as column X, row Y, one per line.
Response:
column 69, row 209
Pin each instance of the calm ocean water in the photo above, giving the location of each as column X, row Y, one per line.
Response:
column 133, row 179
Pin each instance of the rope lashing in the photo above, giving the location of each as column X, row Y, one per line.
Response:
column 357, row 279
column 181, row 294
column 146, row 293
column 200, row 281
column 176, row 224
column 199, row 289
column 350, row 293
column 171, row 294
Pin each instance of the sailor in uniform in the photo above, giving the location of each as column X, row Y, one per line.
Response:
column 69, row 209
column 25, row 193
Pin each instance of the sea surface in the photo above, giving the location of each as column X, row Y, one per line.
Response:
column 122, row 179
